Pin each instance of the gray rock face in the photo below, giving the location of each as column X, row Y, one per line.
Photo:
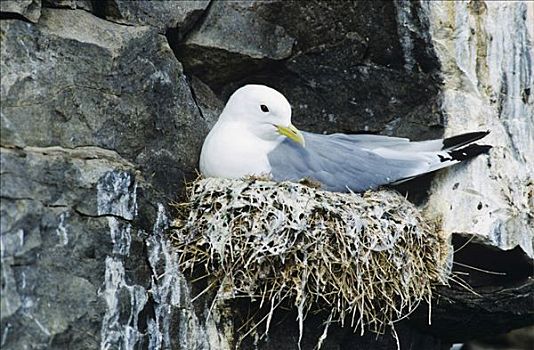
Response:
column 75, row 80
column 100, row 126
column 162, row 15
column 221, row 49
column 29, row 9
column 339, row 72
column 80, row 247
column 73, row 272
column 71, row 4
column 209, row 105
column 56, row 219
column 488, row 79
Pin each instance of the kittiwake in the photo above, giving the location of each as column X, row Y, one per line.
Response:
column 254, row 136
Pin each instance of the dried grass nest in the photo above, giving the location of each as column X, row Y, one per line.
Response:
column 365, row 259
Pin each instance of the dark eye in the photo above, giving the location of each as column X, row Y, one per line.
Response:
column 264, row 108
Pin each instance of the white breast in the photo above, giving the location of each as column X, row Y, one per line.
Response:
column 231, row 151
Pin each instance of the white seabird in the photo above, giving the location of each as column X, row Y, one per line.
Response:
column 254, row 136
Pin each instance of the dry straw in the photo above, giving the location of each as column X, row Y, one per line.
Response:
column 367, row 260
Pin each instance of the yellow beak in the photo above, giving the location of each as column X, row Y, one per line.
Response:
column 292, row 133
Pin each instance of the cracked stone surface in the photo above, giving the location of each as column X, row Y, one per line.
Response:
column 29, row 9
column 80, row 269
column 179, row 16
column 113, row 86
column 487, row 85
column 54, row 241
column 340, row 72
column 71, row 4
column 101, row 124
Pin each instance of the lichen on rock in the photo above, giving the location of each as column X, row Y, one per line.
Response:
column 365, row 260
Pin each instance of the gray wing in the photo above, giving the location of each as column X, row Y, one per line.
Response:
column 342, row 162
column 398, row 143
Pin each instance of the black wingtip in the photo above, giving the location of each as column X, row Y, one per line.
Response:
column 467, row 152
column 463, row 139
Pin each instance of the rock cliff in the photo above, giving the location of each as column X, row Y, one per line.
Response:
column 104, row 107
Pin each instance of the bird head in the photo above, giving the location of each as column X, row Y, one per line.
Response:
column 262, row 111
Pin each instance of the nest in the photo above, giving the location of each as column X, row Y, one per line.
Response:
column 365, row 259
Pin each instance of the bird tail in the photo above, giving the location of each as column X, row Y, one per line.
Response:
column 457, row 141
column 449, row 143
column 454, row 150
column 456, row 155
